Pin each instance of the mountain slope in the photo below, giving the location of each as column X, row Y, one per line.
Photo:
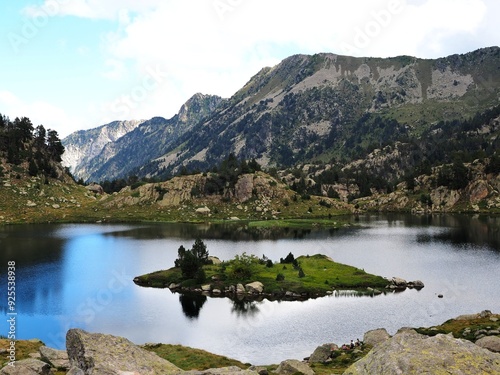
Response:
column 84, row 145
column 328, row 106
column 142, row 143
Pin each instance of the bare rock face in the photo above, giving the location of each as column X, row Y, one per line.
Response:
column 478, row 190
column 376, row 336
column 294, row 366
column 29, row 366
column 322, row 353
column 96, row 353
column 408, row 353
column 56, row 358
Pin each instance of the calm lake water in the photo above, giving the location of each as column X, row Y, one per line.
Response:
column 81, row 276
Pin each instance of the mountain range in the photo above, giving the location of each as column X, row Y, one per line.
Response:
column 333, row 110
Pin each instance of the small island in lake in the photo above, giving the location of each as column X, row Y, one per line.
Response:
column 247, row 275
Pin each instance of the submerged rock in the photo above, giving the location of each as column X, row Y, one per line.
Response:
column 408, row 353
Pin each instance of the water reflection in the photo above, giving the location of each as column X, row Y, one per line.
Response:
column 242, row 307
column 225, row 231
column 462, row 230
column 192, row 304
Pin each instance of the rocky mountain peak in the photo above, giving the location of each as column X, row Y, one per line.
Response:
column 199, row 105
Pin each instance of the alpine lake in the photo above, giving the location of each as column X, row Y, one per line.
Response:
column 81, row 275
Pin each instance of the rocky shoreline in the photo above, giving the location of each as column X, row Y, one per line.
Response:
column 256, row 290
column 477, row 351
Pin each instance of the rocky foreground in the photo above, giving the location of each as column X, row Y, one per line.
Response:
column 407, row 352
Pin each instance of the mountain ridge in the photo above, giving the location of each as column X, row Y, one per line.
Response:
column 324, row 107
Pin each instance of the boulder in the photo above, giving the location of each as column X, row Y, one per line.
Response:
column 376, row 336
column 206, row 287
column 96, row 353
column 214, row 260
column 56, row 358
column 322, row 353
column 399, row 283
column 254, row 288
column 293, row 366
column 203, row 210
column 30, row 366
column 492, row 343
column 409, row 352
column 417, row 284
column 240, row 289
column 95, row 188
column 482, row 314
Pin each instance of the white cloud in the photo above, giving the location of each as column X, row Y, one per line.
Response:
column 215, row 46
column 39, row 112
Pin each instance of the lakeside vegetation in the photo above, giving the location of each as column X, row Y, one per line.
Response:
column 302, row 277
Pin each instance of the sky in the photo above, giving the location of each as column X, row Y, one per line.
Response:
column 78, row 64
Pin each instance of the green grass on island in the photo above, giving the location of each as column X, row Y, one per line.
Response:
column 307, row 275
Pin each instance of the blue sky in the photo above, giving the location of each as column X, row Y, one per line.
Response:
column 78, row 64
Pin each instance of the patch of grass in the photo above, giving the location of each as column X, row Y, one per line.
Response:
column 457, row 327
column 23, row 349
column 298, row 223
column 341, row 360
column 192, row 359
column 320, row 274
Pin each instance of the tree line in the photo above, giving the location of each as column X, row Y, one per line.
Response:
column 21, row 141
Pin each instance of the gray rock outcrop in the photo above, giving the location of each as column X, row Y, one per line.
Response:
column 29, row 366
column 294, row 366
column 322, row 353
column 408, row 353
column 376, row 336
column 96, row 353
column 56, row 358
column 492, row 343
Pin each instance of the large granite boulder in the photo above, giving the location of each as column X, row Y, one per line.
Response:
column 294, row 366
column 492, row 343
column 56, row 358
column 29, row 366
column 408, row 353
column 376, row 336
column 322, row 353
column 254, row 288
column 96, row 353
